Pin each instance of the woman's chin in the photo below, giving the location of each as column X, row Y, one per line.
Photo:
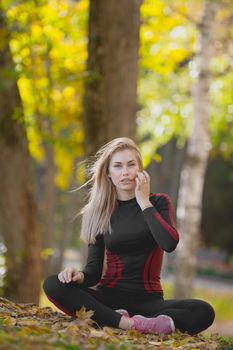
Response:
column 128, row 188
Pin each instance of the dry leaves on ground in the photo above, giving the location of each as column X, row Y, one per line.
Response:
column 26, row 326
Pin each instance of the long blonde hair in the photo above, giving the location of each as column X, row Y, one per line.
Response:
column 97, row 212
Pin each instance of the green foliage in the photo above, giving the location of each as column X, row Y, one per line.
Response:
column 226, row 343
column 167, row 45
column 168, row 69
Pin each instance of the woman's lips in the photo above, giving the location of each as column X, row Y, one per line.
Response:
column 126, row 181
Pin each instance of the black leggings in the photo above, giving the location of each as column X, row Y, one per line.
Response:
column 189, row 315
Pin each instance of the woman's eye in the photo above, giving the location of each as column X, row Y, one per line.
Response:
column 118, row 165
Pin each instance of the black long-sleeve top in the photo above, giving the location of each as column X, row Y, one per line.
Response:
column 135, row 247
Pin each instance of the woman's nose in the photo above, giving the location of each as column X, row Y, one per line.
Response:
column 125, row 170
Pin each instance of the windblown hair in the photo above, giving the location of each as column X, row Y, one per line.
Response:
column 97, row 212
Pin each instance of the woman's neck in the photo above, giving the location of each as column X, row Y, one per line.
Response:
column 125, row 196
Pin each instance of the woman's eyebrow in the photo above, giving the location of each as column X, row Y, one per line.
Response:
column 133, row 160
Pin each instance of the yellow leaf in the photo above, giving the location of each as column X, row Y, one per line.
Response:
column 157, row 157
column 36, row 30
column 9, row 321
column 98, row 334
column 46, row 253
column 28, row 322
column 82, row 314
column 80, row 173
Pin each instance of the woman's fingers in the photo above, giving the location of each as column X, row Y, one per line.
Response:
column 143, row 177
column 69, row 275
column 139, row 178
column 147, row 176
column 66, row 275
column 137, row 183
column 61, row 277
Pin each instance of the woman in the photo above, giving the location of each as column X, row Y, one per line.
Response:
column 135, row 228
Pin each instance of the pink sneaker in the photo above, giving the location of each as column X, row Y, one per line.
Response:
column 161, row 324
column 123, row 312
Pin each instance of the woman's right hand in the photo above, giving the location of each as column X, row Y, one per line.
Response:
column 71, row 274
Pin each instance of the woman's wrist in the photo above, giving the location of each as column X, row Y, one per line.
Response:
column 146, row 205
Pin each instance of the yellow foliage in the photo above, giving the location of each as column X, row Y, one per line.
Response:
column 46, row 253
column 178, row 54
column 54, row 34
column 81, row 173
column 64, row 161
column 152, row 8
column 159, row 51
column 157, row 157
column 50, row 53
column 54, row 53
column 83, row 6
column 35, row 146
column 69, row 92
column 42, row 83
column 14, row 45
column 36, row 31
column 78, row 135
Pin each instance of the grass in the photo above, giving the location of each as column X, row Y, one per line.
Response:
column 226, row 343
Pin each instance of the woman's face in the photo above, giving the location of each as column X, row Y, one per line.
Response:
column 123, row 168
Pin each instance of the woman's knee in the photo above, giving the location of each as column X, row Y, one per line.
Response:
column 51, row 285
column 208, row 313
column 204, row 315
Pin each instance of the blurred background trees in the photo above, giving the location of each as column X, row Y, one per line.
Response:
column 89, row 72
column 189, row 208
column 18, row 223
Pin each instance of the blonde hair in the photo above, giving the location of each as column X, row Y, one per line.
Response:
column 97, row 212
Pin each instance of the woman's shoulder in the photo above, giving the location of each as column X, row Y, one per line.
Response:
column 159, row 198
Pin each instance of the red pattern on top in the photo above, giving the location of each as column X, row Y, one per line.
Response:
column 155, row 269
column 145, row 274
column 152, row 271
column 118, row 270
column 114, row 273
column 168, row 228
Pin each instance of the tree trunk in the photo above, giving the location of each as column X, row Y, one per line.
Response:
column 71, row 203
column 49, row 190
column 17, row 202
column 48, row 211
column 193, row 172
column 110, row 98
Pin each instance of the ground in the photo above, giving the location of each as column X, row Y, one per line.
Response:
column 27, row 326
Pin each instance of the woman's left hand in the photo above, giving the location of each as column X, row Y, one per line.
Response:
column 142, row 189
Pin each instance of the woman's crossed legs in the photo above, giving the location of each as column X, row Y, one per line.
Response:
column 189, row 315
